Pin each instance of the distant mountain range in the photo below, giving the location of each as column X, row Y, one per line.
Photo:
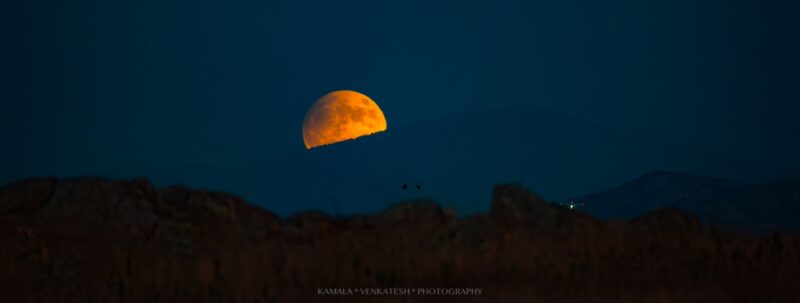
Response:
column 724, row 203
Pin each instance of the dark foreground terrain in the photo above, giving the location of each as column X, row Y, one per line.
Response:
column 93, row 240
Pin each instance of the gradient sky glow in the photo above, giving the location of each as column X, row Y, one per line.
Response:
column 122, row 89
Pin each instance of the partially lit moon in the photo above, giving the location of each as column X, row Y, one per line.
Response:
column 340, row 116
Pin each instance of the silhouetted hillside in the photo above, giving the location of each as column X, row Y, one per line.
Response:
column 95, row 240
column 762, row 206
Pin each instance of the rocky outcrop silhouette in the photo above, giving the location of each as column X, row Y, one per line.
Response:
column 97, row 240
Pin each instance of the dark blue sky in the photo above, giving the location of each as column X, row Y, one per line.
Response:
column 137, row 88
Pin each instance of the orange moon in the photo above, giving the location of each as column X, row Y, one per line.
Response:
column 340, row 116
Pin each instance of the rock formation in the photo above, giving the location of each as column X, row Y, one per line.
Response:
column 95, row 240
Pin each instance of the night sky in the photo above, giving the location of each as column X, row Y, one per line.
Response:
column 213, row 93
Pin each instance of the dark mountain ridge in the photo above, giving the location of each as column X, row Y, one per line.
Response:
column 98, row 240
column 744, row 206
